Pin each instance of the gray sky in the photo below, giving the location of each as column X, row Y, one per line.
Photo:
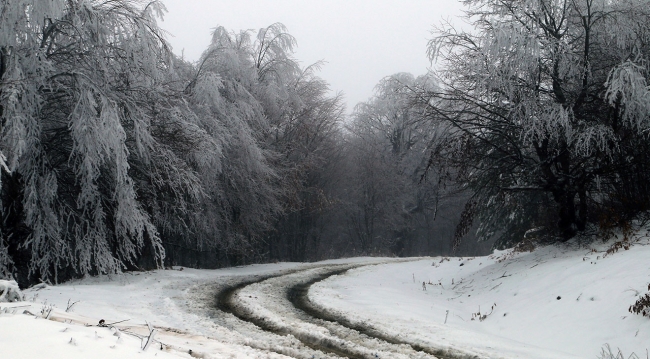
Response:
column 361, row 40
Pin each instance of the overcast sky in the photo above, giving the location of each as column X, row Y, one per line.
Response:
column 361, row 40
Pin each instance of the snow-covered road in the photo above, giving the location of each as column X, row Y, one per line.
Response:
column 561, row 302
column 245, row 312
column 279, row 305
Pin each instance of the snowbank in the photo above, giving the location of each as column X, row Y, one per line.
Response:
column 32, row 336
column 556, row 302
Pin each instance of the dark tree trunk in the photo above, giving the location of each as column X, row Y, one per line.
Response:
column 567, row 224
column 582, row 210
column 3, row 69
column 14, row 230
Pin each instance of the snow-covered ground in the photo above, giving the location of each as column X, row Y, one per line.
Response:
column 554, row 302
column 166, row 299
column 180, row 303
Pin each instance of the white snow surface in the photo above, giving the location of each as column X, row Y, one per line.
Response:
column 174, row 301
column 563, row 301
column 267, row 300
column 518, row 293
column 162, row 298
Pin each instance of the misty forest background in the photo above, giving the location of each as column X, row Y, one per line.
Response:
column 119, row 155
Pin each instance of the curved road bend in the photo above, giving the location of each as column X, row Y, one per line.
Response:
column 279, row 305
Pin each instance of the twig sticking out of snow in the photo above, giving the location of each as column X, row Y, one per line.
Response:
column 46, row 311
column 102, row 323
column 482, row 317
column 151, row 337
column 69, row 307
column 607, row 353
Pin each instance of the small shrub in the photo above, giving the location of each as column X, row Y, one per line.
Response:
column 610, row 223
column 9, row 291
column 526, row 245
column 625, row 244
column 606, row 353
column 482, row 317
column 642, row 305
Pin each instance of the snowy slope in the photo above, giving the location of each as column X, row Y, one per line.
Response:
column 556, row 302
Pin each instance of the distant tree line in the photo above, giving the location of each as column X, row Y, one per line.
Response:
column 117, row 155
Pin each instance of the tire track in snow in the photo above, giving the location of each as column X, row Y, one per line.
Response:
column 284, row 308
column 299, row 297
column 249, row 334
column 226, row 302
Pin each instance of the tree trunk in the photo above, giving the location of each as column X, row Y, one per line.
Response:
column 567, row 224
column 3, row 69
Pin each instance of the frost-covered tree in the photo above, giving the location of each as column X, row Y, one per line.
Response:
column 308, row 137
column 391, row 206
column 548, row 102
column 113, row 150
column 248, row 89
column 275, row 122
column 87, row 114
column 392, row 113
column 243, row 196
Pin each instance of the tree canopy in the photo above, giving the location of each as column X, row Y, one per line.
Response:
column 548, row 105
column 116, row 154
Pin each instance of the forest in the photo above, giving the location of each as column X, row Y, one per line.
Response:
column 116, row 154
